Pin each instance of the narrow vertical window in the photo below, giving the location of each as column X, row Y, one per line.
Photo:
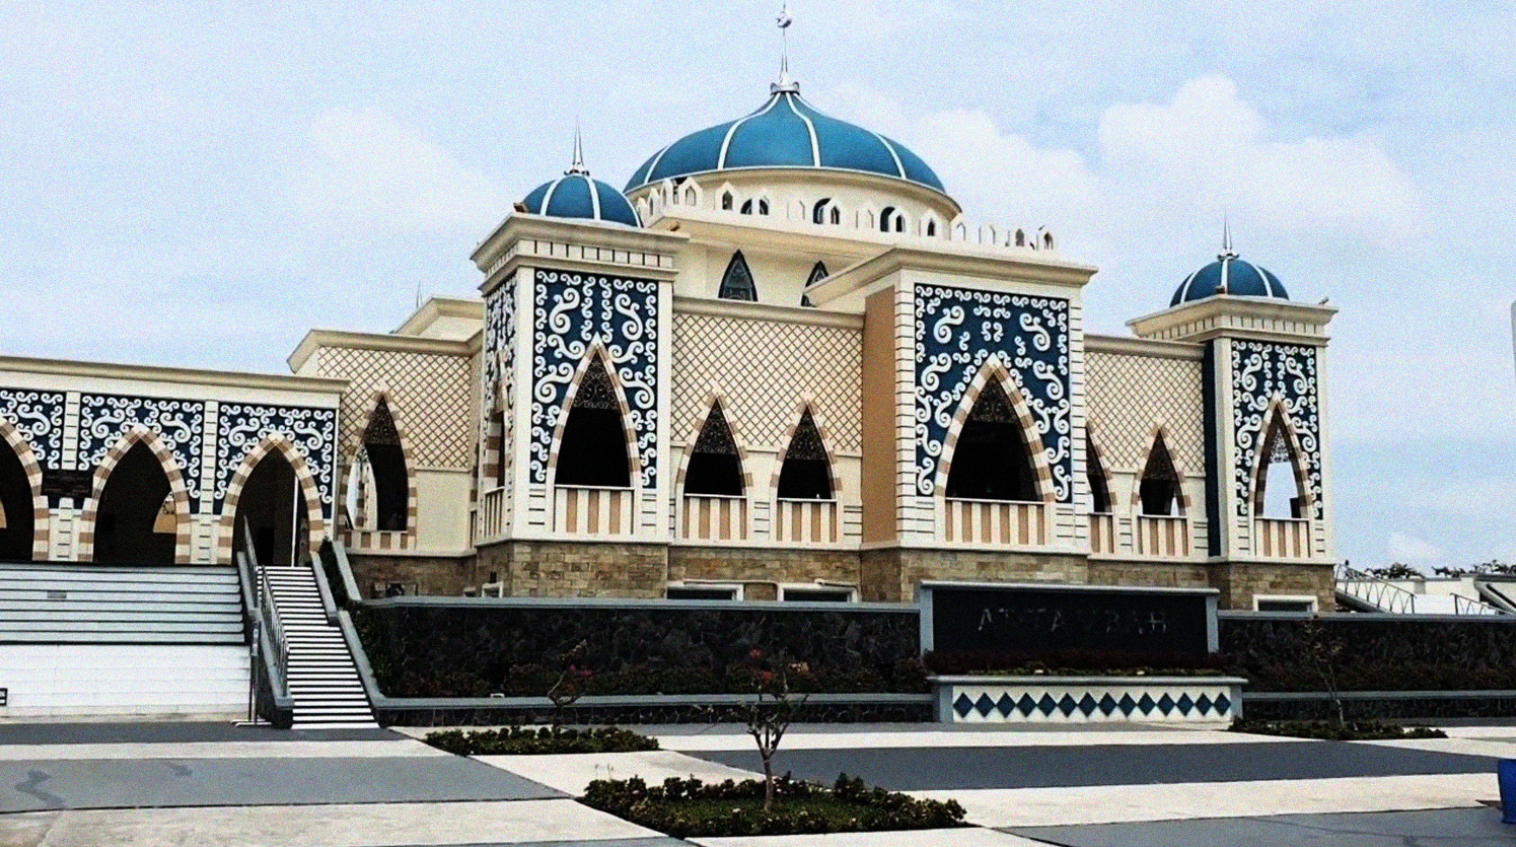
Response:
column 391, row 483
column 737, row 282
column 1100, row 490
column 1278, row 494
column 807, row 471
column 818, row 273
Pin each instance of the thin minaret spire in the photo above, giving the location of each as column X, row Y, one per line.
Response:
column 785, row 82
column 1226, row 239
column 577, row 167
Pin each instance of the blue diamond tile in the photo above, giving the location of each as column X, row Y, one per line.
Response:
column 984, row 704
column 1166, row 704
column 1223, row 704
column 1145, row 704
column 1126, row 704
column 963, row 705
column 1047, row 704
column 1067, row 705
column 1107, row 705
column 1026, row 705
column 1005, row 705
column 1087, row 705
column 1185, row 704
column 1203, row 703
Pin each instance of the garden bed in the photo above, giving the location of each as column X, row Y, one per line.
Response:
column 689, row 808
column 523, row 741
column 1333, row 731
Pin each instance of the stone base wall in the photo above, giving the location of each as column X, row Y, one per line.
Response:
column 577, row 569
column 1149, row 574
column 890, row 575
column 443, row 576
column 762, row 569
column 1240, row 581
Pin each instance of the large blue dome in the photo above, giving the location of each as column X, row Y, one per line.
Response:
column 1229, row 275
column 786, row 132
column 576, row 195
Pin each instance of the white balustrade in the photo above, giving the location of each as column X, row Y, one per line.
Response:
column 1103, row 533
column 1282, row 538
column 489, row 518
column 708, row 517
column 593, row 511
column 1163, row 535
column 1015, row 523
column 812, row 521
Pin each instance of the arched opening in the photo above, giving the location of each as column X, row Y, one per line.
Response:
column 818, row 212
column 726, row 203
column 1100, row 489
column 136, row 522
column 715, row 467
column 818, row 273
column 887, row 219
column 593, row 452
column 381, row 440
column 763, row 206
column 992, row 460
column 737, row 282
column 273, row 509
column 807, row 470
column 16, row 527
column 1279, row 494
column 1160, row 490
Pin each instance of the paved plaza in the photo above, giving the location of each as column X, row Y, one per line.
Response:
column 205, row 785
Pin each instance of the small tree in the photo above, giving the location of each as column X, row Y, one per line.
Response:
column 1396, row 570
column 570, row 685
column 1321, row 652
column 770, row 714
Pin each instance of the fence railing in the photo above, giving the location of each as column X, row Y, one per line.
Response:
column 593, row 511
column 273, row 627
column 1163, row 535
column 1102, row 533
column 1467, row 606
column 489, row 519
column 1009, row 522
column 1373, row 591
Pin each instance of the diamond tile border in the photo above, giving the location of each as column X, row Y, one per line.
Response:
column 1118, row 700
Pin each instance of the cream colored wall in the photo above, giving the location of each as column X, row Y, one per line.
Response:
column 442, row 516
column 779, row 277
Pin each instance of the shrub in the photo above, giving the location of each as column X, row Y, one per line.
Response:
column 1336, row 731
column 521, row 741
column 686, row 808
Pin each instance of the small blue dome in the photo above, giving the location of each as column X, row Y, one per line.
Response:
column 576, row 195
column 1229, row 275
column 786, row 132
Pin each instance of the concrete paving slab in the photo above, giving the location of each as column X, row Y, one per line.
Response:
column 1031, row 767
column 572, row 773
column 1028, row 807
column 103, row 784
column 388, row 748
column 1040, row 738
column 1462, row 827
column 965, row 837
column 160, row 732
column 555, row 822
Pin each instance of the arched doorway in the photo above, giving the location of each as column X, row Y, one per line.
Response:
column 136, row 522
column 16, row 527
column 273, row 509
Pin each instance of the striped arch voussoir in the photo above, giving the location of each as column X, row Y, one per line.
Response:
column 713, row 396
column 807, row 401
column 272, row 443
column 40, row 513
column 995, row 370
column 1278, row 410
column 1097, row 458
column 138, row 434
column 382, row 394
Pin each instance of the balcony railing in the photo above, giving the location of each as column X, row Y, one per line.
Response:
column 1016, row 523
column 813, row 521
column 593, row 511
column 710, row 517
column 1102, row 533
column 489, row 520
column 1163, row 535
column 1282, row 538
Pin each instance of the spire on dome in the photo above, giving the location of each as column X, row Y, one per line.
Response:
column 1226, row 240
column 785, row 83
column 577, row 167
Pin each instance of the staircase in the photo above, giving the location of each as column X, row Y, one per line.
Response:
column 70, row 603
column 323, row 681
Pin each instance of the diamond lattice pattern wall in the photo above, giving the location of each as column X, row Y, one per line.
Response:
column 431, row 400
column 1127, row 395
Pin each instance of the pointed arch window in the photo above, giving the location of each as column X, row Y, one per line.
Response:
column 763, row 206
column 992, row 460
column 818, row 212
column 727, row 200
column 16, row 510
column 807, row 470
column 381, row 440
column 931, row 229
column 1160, row 490
column 1100, row 489
column 127, row 526
column 818, row 273
column 593, row 452
column 891, row 220
column 737, row 282
column 715, row 466
column 1279, row 494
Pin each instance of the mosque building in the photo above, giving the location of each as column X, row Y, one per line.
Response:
column 778, row 364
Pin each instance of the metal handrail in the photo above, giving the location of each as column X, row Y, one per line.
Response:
column 1375, row 591
column 1467, row 606
column 275, row 629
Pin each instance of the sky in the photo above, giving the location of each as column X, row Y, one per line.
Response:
column 197, row 184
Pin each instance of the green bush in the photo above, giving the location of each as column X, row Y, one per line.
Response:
column 686, row 808
column 1329, row 731
column 525, row 741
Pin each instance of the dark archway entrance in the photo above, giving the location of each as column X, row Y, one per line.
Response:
column 273, row 509
column 594, row 452
column 381, row 440
column 136, row 523
column 992, row 460
column 16, row 502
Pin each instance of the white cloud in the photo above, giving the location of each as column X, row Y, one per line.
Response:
column 1411, row 550
column 367, row 171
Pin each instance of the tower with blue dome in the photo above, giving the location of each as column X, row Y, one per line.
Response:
column 578, row 196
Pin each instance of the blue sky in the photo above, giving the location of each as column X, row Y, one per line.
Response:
column 197, row 184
